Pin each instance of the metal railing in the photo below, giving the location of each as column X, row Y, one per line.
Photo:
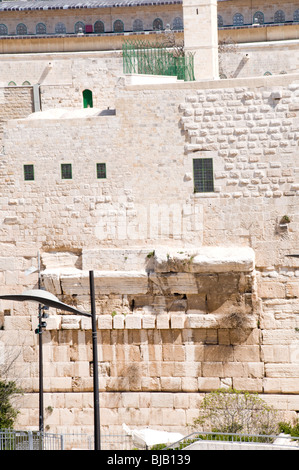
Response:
column 142, row 57
column 29, row 440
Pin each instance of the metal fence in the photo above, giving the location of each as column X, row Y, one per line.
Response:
column 142, row 57
column 29, row 440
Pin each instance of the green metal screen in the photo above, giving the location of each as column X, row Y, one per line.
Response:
column 101, row 170
column 66, row 171
column 142, row 57
column 203, row 175
column 28, row 172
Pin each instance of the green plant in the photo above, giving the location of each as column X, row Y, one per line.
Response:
column 287, row 428
column 8, row 413
column 285, row 219
column 233, row 411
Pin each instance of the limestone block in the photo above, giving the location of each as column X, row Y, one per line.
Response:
column 85, row 323
column 118, row 322
column 162, row 322
column 271, row 289
column 148, row 321
column 133, row 321
column 53, row 322
column 105, row 322
column 177, row 321
column 17, row 323
column 70, row 322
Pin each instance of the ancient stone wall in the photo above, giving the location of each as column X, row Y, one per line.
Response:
column 194, row 290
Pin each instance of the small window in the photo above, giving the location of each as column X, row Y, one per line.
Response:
column 157, row 24
column 40, row 28
column 118, row 26
column 238, row 19
column 178, row 24
column 203, row 175
column 66, row 171
column 21, row 29
column 101, row 170
column 137, row 25
column 99, row 27
column 279, row 16
column 220, row 21
column 3, row 30
column 258, row 18
column 60, row 28
column 296, row 15
column 28, row 172
column 79, row 27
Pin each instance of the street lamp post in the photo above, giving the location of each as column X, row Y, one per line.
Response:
column 46, row 298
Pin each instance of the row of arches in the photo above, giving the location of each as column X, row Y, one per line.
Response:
column 259, row 18
column 98, row 27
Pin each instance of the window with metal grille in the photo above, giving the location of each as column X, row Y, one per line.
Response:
column 66, row 171
column 28, row 172
column 203, row 175
column 279, row 16
column 101, row 170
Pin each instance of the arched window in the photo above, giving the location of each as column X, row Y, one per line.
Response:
column 220, row 20
column 87, row 99
column 3, row 30
column 296, row 15
column 26, row 83
column 118, row 26
column 238, row 19
column 137, row 25
column 60, row 28
column 79, row 25
column 40, row 28
column 258, row 18
column 279, row 16
column 21, row 29
column 178, row 24
column 157, row 24
column 99, row 27
column 11, row 83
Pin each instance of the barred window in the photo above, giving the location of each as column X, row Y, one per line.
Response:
column 258, row 18
column 178, row 23
column 79, row 25
column 137, row 25
column 203, row 175
column 21, row 29
column 238, row 19
column 28, row 172
column 118, row 26
column 40, row 28
column 60, row 28
column 3, row 30
column 157, row 24
column 220, row 20
column 101, row 170
column 99, row 27
column 279, row 16
column 66, row 171
column 296, row 15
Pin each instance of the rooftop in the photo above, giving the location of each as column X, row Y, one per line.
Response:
column 23, row 5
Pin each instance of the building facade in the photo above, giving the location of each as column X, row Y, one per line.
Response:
column 183, row 199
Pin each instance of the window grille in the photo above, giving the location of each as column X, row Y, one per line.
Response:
column 296, row 15
column 79, row 25
column 279, row 16
column 28, row 172
column 21, row 29
column 203, row 175
column 238, row 19
column 220, row 20
column 99, row 27
column 66, row 171
column 40, row 28
column 258, row 18
column 118, row 26
column 137, row 25
column 157, row 24
column 60, row 28
column 178, row 24
column 101, row 170
column 3, row 30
